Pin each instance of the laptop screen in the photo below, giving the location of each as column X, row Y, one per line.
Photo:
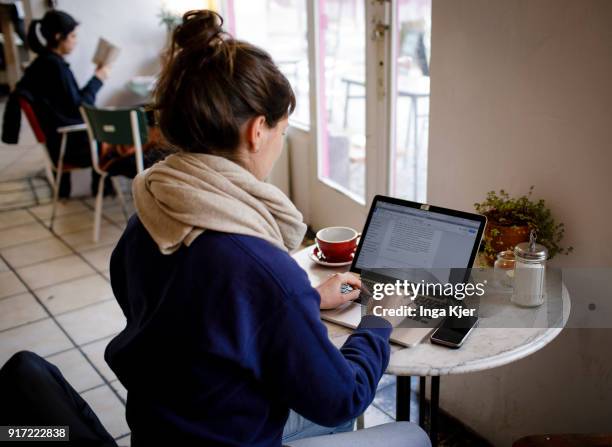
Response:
column 400, row 240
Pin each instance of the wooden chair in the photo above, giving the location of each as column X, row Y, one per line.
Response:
column 126, row 127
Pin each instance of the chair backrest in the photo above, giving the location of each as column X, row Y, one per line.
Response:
column 28, row 111
column 114, row 126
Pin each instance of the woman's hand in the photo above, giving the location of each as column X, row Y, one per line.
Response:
column 331, row 290
column 102, row 72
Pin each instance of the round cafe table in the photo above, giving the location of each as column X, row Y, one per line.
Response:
column 494, row 344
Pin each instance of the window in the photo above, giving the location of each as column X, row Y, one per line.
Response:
column 279, row 27
column 409, row 156
column 343, row 100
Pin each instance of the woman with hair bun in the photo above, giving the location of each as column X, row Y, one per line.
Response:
column 224, row 345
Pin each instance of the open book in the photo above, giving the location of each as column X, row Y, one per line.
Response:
column 106, row 52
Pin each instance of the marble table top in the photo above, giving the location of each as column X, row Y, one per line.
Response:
column 488, row 346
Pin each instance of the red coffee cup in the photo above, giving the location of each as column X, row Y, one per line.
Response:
column 337, row 244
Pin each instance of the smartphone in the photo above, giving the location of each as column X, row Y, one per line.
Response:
column 453, row 331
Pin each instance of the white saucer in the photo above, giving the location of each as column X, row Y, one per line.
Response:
column 315, row 258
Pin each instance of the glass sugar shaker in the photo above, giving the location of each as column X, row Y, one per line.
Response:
column 529, row 273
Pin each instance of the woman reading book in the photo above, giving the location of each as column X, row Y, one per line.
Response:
column 56, row 97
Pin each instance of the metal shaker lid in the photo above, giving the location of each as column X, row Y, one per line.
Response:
column 531, row 251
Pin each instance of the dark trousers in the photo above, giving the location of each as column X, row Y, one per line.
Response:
column 34, row 392
column 78, row 153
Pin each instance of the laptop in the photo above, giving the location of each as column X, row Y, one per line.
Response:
column 416, row 242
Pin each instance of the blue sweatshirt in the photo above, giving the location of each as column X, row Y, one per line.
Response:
column 224, row 337
column 50, row 86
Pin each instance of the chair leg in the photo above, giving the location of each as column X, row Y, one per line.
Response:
column 98, row 209
column 117, row 187
column 56, row 188
column 361, row 421
column 58, row 179
column 49, row 173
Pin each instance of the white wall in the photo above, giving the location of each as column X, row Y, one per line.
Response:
column 299, row 170
column 133, row 26
column 521, row 94
column 280, row 176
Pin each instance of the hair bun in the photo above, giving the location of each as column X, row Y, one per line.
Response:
column 200, row 28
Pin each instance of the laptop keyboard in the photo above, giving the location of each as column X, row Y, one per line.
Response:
column 345, row 288
column 365, row 291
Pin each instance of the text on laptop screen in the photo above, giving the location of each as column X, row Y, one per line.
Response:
column 400, row 238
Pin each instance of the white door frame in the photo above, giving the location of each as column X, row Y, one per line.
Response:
column 380, row 103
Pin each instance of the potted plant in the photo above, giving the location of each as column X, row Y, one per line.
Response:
column 169, row 19
column 510, row 221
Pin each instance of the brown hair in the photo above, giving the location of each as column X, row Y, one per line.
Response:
column 212, row 83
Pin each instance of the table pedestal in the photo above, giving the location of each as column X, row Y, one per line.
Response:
column 402, row 403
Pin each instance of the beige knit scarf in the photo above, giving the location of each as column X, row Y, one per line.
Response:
column 179, row 198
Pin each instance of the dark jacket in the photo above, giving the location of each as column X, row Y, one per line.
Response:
column 50, row 86
column 224, row 337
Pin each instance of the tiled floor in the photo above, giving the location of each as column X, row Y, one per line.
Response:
column 55, row 295
column 56, row 300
